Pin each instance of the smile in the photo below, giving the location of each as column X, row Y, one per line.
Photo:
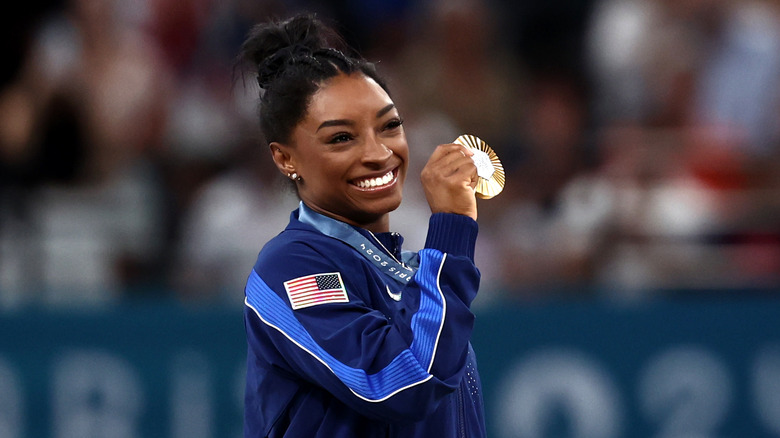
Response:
column 376, row 183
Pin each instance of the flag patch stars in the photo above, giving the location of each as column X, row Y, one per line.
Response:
column 312, row 290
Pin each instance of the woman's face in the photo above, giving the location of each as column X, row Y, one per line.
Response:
column 350, row 151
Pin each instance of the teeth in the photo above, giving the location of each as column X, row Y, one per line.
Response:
column 375, row 182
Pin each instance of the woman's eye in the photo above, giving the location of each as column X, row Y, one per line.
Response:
column 340, row 138
column 395, row 123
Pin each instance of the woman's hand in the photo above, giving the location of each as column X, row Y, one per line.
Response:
column 449, row 179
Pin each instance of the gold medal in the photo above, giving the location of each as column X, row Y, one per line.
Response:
column 490, row 172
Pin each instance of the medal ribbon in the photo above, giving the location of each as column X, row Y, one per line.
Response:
column 399, row 271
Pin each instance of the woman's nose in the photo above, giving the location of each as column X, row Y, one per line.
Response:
column 376, row 151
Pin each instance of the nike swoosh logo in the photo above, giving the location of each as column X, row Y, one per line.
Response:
column 394, row 296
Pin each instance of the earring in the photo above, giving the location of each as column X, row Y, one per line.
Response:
column 294, row 176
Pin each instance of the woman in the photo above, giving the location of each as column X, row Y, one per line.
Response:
column 348, row 335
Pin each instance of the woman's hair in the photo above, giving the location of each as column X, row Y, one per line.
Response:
column 292, row 59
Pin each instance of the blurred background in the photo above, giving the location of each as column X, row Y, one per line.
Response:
column 631, row 266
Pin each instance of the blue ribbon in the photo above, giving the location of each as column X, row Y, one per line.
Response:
column 400, row 271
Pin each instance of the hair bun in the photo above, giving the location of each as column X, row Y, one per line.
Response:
column 274, row 65
column 271, row 47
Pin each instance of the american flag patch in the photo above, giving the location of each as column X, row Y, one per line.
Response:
column 312, row 290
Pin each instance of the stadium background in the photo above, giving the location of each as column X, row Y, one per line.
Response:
column 631, row 266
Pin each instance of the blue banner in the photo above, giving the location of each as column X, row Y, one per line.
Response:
column 669, row 369
column 136, row 371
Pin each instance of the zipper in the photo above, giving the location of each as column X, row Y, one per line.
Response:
column 461, row 413
column 387, row 251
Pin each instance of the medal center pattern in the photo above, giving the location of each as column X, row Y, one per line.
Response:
column 485, row 167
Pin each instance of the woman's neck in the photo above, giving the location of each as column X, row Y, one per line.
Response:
column 380, row 224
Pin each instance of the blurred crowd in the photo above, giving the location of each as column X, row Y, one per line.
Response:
column 640, row 139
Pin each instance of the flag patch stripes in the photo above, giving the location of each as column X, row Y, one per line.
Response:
column 313, row 290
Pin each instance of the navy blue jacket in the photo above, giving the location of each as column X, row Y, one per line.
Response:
column 355, row 354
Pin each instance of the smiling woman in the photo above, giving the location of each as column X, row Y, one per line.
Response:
column 348, row 334
column 350, row 139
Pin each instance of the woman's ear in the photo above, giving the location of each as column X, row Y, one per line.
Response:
column 282, row 158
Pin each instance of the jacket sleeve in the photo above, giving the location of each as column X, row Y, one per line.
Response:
column 396, row 368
